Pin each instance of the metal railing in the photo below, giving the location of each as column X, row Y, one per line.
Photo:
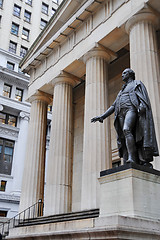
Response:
column 32, row 212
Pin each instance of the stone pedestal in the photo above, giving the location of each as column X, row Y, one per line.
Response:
column 130, row 190
column 129, row 209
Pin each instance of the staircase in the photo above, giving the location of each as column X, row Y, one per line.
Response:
column 29, row 214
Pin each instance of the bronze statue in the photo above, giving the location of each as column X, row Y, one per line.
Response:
column 134, row 124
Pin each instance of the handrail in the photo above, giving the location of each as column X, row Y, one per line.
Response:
column 32, row 212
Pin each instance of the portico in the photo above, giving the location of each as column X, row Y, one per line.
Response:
column 79, row 65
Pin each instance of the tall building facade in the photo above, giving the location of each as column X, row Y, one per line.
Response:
column 21, row 21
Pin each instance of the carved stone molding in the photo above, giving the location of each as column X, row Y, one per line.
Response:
column 9, row 198
column 9, row 131
column 1, row 107
column 24, row 116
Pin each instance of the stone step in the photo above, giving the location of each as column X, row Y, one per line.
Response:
column 93, row 213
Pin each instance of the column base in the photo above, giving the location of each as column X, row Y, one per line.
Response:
column 130, row 190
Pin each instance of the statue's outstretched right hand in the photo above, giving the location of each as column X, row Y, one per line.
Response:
column 95, row 119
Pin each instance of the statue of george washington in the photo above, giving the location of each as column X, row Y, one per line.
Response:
column 134, row 124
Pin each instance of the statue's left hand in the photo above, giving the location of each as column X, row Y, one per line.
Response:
column 141, row 109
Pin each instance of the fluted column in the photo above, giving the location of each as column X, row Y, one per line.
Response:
column 97, row 144
column 34, row 167
column 20, row 151
column 59, row 165
column 145, row 62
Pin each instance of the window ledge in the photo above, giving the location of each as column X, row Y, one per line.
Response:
column 5, row 176
column 14, row 34
column 16, row 16
column 27, row 21
column 25, row 39
column 45, row 13
column 28, row 4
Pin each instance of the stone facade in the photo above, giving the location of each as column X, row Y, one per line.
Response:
column 82, row 60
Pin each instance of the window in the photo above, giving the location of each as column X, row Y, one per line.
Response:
column 44, row 8
column 28, row 2
column 6, row 156
column 43, row 23
column 53, row 11
column 25, row 34
column 1, row 3
column 23, row 51
column 3, row 186
column 6, row 118
column 2, row 118
column 27, row 16
column 49, row 108
column 7, row 90
column 12, row 47
column 14, row 28
column 3, row 213
column 16, row 10
column 19, row 94
column 12, row 120
column 10, row 66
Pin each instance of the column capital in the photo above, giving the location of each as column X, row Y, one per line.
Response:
column 145, row 15
column 65, row 77
column 100, row 51
column 39, row 95
column 24, row 115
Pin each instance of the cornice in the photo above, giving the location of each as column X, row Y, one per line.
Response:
column 9, row 131
column 9, row 198
column 13, row 76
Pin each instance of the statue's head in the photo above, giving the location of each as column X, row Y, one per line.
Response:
column 128, row 74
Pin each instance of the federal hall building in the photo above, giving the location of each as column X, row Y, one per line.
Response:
column 76, row 66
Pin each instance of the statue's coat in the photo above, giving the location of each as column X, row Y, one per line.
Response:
column 144, row 131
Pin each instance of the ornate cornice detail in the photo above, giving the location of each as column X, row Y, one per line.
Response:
column 9, row 131
column 9, row 198
column 24, row 116
column 1, row 107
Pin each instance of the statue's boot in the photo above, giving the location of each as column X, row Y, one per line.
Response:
column 148, row 164
column 131, row 148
